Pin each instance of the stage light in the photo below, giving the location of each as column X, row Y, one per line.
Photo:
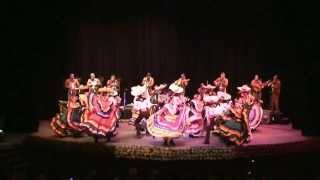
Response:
column 1, row 135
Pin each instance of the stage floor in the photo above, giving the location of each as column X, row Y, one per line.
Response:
column 265, row 135
column 268, row 139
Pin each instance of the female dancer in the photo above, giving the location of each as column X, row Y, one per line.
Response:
column 195, row 121
column 101, row 117
column 234, row 126
column 170, row 121
column 67, row 121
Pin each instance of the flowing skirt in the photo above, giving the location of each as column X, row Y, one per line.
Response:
column 67, row 121
column 166, row 125
column 101, row 124
column 233, row 130
column 74, row 119
column 195, row 124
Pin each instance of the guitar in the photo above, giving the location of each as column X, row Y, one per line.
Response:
column 259, row 87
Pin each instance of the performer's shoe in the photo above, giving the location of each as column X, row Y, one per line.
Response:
column 248, row 139
column 96, row 139
column 165, row 143
column 77, row 134
column 171, row 143
column 108, row 138
column 138, row 134
column 131, row 122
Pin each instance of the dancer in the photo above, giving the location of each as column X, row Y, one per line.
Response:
column 74, row 112
column 245, row 96
column 141, row 108
column 233, row 127
column 216, row 106
column 255, row 111
column 159, row 96
column 221, row 82
column 246, row 99
column 67, row 121
column 170, row 121
column 182, row 81
column 101, row 117
column 59, row 121
column 148, row 81
column 195, row 121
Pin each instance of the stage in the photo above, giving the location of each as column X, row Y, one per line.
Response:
column 268, row 140
column 276, row 151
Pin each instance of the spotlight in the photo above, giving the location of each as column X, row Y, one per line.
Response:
column 1, row 135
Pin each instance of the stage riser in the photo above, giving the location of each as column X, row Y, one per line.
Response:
column 268, row 118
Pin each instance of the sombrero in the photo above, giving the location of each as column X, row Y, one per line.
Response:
column 137, row 90
column 113, row 93
column 175, row 88
column 160, row 87
column 208, row 86
column 83, row 87
column 211, row 99
column 244, row 88
column 224, row 96
column 105, row 90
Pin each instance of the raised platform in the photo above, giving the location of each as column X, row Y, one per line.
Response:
column 268, row 140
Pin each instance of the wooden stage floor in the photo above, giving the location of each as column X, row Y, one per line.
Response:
column 268, row 139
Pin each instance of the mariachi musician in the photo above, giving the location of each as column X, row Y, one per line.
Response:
column 71, row 83
column 114, row 83
column 93, row 83
column 183, row 81
column 148, row 81
column 221, row 82
column 256, row 87
column 275, row 96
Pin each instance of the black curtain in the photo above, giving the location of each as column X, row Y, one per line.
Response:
column 165, row 38
column 201, row 39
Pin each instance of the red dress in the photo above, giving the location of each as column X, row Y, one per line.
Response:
column 101, row 118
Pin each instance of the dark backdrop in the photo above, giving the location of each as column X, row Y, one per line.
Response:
column 129, row 38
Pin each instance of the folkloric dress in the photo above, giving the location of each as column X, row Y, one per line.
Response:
column 74, row 113
column 170, row 120
column 67, row 121
column 195, row 122
column 141, row 107
column 140, row 112
column 234, row 127
column 59, row 121
column 101, row 118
